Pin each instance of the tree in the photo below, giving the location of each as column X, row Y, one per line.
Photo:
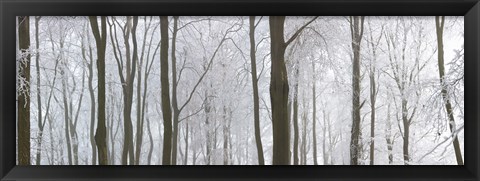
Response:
column 166, row 109
column 142, row 99
column 373, row 45
column 295, row 116
column 41, row 124
column 405, row 75
column 256, row 104
column 356, row 29
column 101, row 43
column 439, row 24
column 89, row 61
column 23, row 91
column 127, row 80
column 177, row 109
column 279, row 89
column 314, row 114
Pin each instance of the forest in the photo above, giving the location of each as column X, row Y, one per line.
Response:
column 252, row 90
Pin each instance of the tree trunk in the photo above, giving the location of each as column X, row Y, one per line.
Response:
column 101, row 132
column 279, row 89
column 39, row 100
column 24, row 95
column 295, row 118
column 373, row 94
column 166, row 110
column 141, row 100
column 356, row 27
column 324, row 133
column 256, row 104
column 225, row 136
column 439, row 24
column 279, row 93
column 388, row 136
column 314, row 117
column 406, row 132
column 92, row 102
column 150, row 150
column 304, row 136
column 176, row 111
column 187, row 131
column 67, row 117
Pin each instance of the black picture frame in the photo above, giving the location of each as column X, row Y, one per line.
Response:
column 470, row 9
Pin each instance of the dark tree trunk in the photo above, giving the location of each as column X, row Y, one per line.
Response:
column 101, row 133
column 166, row 110
column 256, row 104
column 39, row 100
column 24, row 96
column 356, row 27
column 279, row 89
column 439, row 24
column 92, row 103
column 279, row 93
column 406, row 132
column 127, row 85
column 176, row 110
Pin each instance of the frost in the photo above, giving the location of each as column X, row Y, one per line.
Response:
column 23, row 86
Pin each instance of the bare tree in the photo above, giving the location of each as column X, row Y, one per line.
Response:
column 256, row 104
column 356, row 29
column 439, row 24
column 279, row 89
column 101, row 42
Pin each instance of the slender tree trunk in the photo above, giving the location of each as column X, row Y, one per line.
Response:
column 388, row 136
column 356, row 27
column 256, row 104
column 225, row 137
column 373, row 93
column 139, row 134
column 439, row 22
column 314, row 117
column 187, row 130
column 176, row 111
column 101, row 132
column 150, row 150
column 208, row 126
column 295, row 118
column 92, row 99
column 141, row 100
column 166, row 110
column 67, row 117
column 406, row 132
column 24, row 96
column 73, row 124
column 39, row 100
column 324, row 133
column 304, row 136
